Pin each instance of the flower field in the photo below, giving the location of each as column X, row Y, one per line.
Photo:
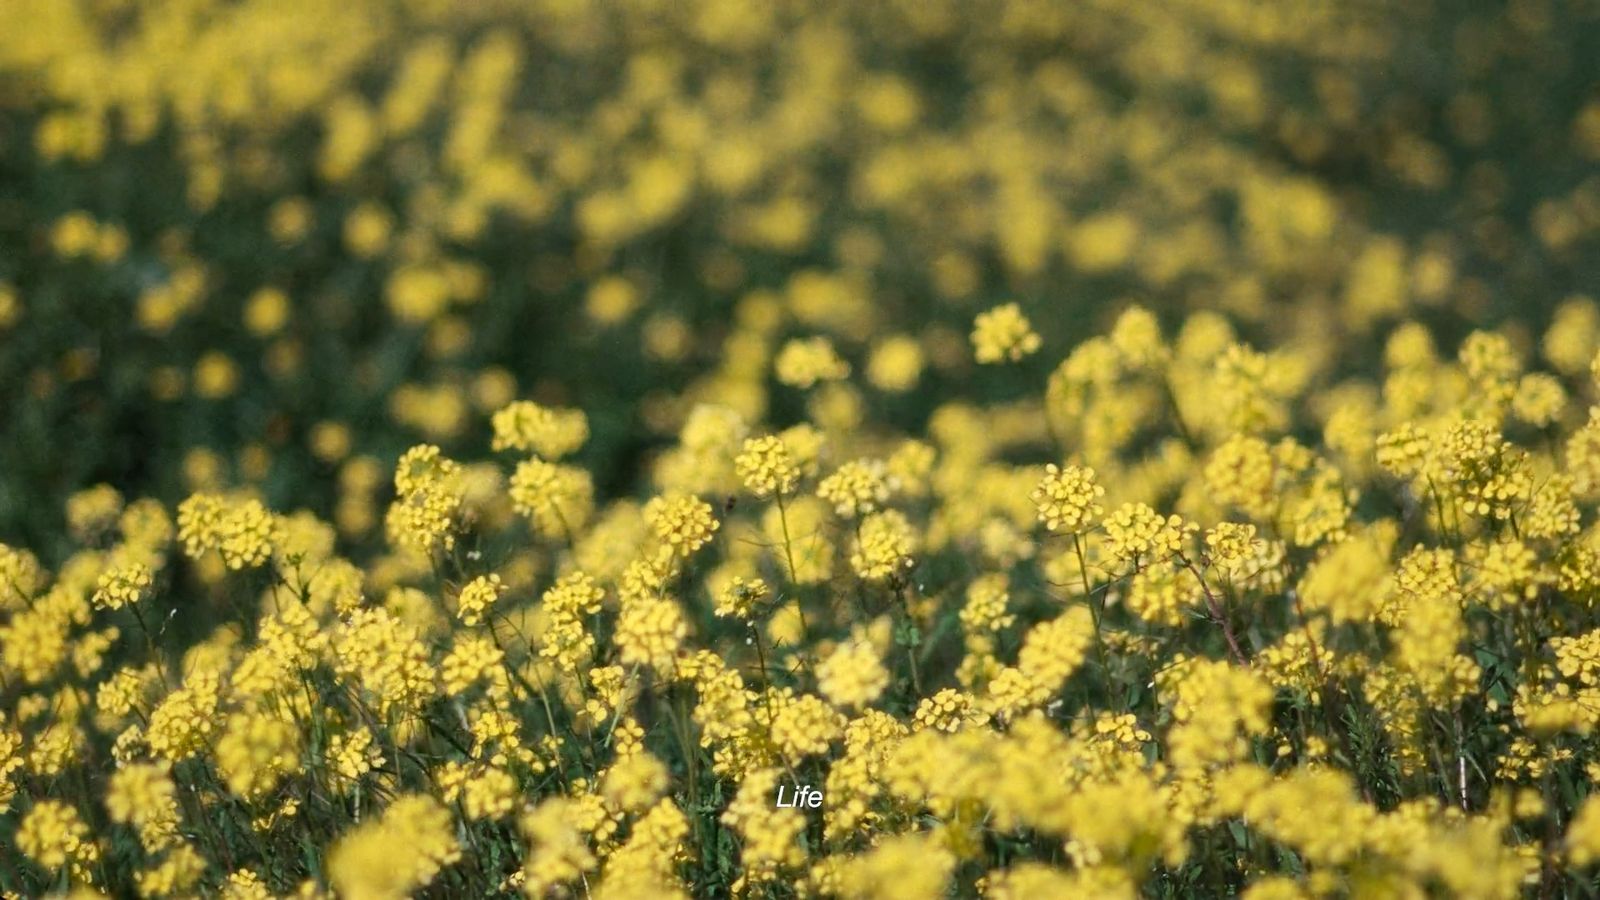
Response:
column 892, row 449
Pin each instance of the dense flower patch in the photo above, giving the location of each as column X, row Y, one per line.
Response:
column 836, row 449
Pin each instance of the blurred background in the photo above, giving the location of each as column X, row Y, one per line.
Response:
column 273, row 243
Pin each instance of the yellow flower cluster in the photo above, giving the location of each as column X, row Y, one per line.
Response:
column 856, row 488
column 766, row 467
column 556, row 498
column 682, row 523
column 118, row 587
column 53, row 836
column 852, row 676
column 1066, row 498
column 803, row 363
column 1004, row 334
column 477, row 598
column 884, row 545
column 951, row 649
column 369, row 861
column 527, row 426
column 242, row 531
column 739, row 599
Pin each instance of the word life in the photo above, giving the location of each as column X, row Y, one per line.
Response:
column 802, row 797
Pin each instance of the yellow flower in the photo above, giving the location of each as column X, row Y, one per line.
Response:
column 766, row 467
column 804, row 362
column 948, row 710
column 472, row 658
column 527, row 426
column 558, row 499
column 255, row 752
column 182, row 724
column 427, row 500
column 53, row 835
column 635, row 782
column 90, row 512
column 244, row 531
column 121, row 586
column 1582, row 840
column 175, row 876
column 1066, row 498
column 683, row 522
column 143, row 795
column 364, row 862
column 856, row 488
column 852, row 675
column 558, row 852
column 1003, row 334
column 266, row 312
column 649, row 632
column 477, row 598
column 740, row 598
column 769, row 835
column 1134, row 532
column 491, row 794
column 352, row 755
column 1233, row 547
column 884, row 546
column 907, row 865
column 896, row 364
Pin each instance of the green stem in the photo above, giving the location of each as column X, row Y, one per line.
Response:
column 1095, row 611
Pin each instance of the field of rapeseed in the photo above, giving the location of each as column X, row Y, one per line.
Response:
column 708, row 448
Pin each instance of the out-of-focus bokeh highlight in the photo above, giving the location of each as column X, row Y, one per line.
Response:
column 269, row 242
